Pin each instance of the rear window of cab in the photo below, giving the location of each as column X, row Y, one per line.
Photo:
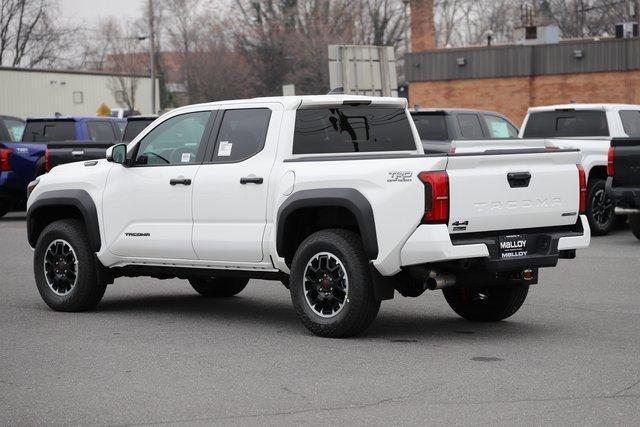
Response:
column 566, row 124
column 352, row 129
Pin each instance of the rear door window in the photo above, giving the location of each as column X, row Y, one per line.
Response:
column 352, row 129
column 470, row 127
column 101, row 131
column 242, row 134
column 631, row 122
column 566, row 124
column 500, row 128
column 49, row 131
column 431, row 127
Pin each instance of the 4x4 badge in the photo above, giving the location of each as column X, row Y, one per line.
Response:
column 460, row 226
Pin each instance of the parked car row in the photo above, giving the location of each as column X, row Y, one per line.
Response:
column 32, row 147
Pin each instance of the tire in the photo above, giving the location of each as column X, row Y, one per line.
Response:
column 634, row 224
column 488, row 304
column 218, row 287
column 341, row 303
column 600, row 208
column 76, row 287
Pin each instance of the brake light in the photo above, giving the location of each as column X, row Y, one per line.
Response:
column 436, row 203
column 5, row 164
column 611, row 156
column 47, row 161
column 583, row 189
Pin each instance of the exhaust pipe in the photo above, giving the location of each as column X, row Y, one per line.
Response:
column 439, row 280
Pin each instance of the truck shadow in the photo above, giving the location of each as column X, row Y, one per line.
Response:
column 278, row 315
column 14, row 217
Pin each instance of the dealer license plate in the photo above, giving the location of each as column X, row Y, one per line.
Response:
column 513, row 246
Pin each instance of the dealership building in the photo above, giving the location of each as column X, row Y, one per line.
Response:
column 40, row 93
column 540, row 69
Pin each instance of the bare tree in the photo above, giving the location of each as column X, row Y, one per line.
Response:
column 30, row 35
column 381, row 22
column 127, row 59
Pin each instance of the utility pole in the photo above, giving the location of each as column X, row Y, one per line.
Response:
column 152, row 54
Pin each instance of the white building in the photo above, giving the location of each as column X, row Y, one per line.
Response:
column 37, row 93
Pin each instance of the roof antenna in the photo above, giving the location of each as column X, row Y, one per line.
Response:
column 336, row 91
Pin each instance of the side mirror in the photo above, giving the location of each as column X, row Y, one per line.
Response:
column 117, row 154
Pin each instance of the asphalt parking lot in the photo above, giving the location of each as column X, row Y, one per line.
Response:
column 156, row 352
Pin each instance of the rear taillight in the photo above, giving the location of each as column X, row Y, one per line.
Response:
column 583, row 189
column 5, row 164
column 47, row 161
column 611, row 156
column 436, row 203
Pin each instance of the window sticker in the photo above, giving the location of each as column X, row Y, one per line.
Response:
column 186, row 157
column 224, row 149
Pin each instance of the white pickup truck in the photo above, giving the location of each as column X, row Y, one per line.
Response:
column 589, row 128
column 332, row 195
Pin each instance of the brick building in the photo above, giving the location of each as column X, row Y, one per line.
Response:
column 510, row 79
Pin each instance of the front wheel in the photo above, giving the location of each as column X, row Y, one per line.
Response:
column 65, row 268
column 218, row 287
column 331, row 285
column 486, row 304
column 600, row 209
column 634, row 224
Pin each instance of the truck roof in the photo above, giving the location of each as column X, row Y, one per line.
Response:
column 72, row 118
column 418, row 110
column 295, row 102
column 604, row 107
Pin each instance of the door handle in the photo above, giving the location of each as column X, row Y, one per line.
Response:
column 518, row 179
column 180, row 181
column 251, row 180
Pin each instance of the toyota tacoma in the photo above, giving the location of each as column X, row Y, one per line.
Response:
column 331, row 195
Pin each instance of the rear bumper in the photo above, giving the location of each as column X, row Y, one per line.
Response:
column 627, row 197
column 433, row 243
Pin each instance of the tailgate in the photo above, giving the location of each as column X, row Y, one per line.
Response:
column 513, row 191
column 76, row 151
column 626, row 162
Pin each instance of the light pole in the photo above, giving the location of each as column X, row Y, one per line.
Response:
column 152, row 54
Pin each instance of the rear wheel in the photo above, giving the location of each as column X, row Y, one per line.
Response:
column 600, row 208
column 486, row 304
column 65, row 268
column 218, row 287
column 331, row 285
column 634, row 224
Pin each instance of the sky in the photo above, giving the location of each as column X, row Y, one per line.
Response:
column 90, row 12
